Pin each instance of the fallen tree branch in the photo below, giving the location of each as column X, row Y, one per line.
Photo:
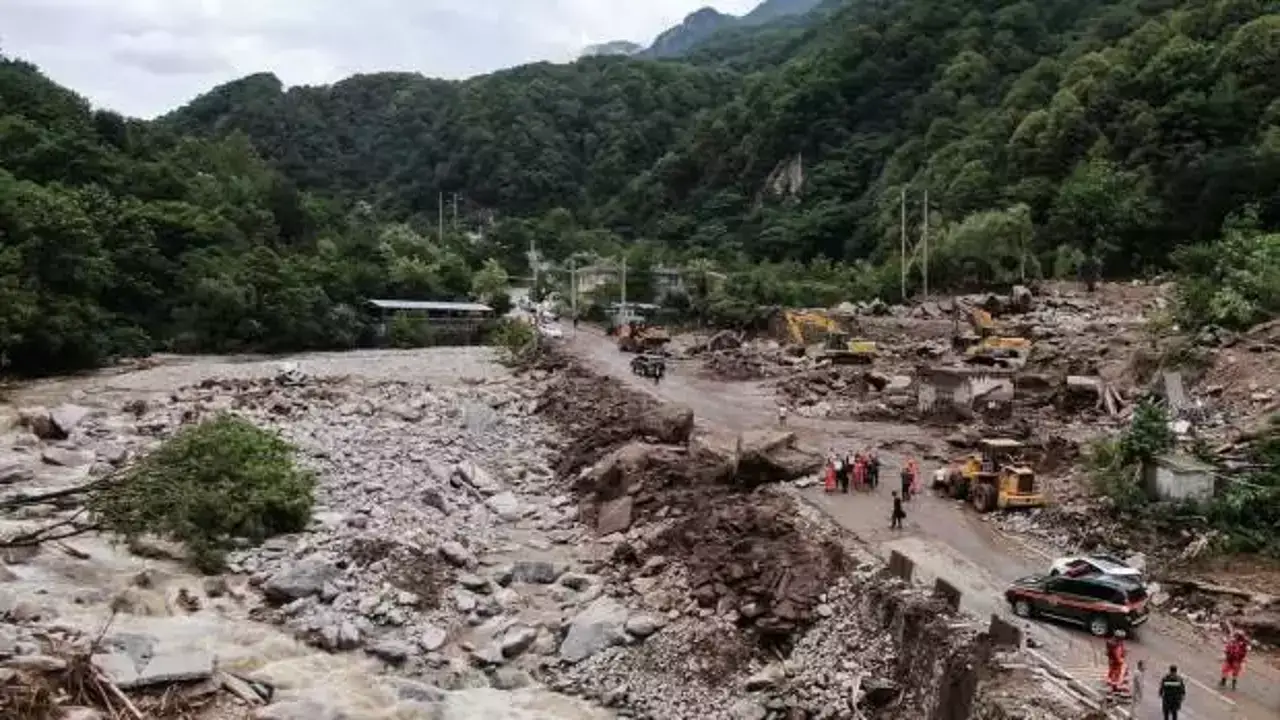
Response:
column 25, row 500
column 49, row 533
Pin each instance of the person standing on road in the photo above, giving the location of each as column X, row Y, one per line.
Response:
column 1233, row 661
column 842, row 473
column 1115, row 664
column 1172, row 691
column 895, row 522
column 1137, row 681
column 906, row 483
column 782, row 415
column 873, row 471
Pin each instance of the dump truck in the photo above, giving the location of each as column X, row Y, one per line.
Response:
column 994, row 478
column 641, row 337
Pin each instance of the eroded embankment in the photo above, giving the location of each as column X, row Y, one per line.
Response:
column 771, row 613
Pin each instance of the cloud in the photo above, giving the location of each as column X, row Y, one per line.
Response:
column 144, row 57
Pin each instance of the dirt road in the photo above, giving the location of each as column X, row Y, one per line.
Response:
column 946, row 540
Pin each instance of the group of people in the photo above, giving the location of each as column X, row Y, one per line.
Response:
column 1173, row 689
column 861, row 471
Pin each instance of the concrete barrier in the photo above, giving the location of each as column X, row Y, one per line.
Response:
column 1004, row 634
column 901, row 565
column 949, row 593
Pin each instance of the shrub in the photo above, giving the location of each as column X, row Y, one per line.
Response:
column 515, row 338
column 210, row 484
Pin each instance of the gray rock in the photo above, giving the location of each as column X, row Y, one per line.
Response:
column 505, row 505
column 504, row 575
column 67, row 458
column 575, row 581
column 463, row 600
column 536, row 572
column 432, row 638
column 517, row 639
column 769, row 677
column 596, row 628
column 302, row 579
column 643, row 625
column 393, row 651
column 433, row 498
column 477, row 477
column 8, row 641
column 406, row 689
column 163, row 668
column 475, row 583
column 490, row 654
column 614, row 516
column 340, row 636
column 39, row 422
column 68, row 417
column 747, row 709
column 457, row 555
column 508, row 678
column 81, row 713
column 15, row 472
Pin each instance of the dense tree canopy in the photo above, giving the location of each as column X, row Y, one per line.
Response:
column 117, row 237
column 1041, row 131
column 1125, row 128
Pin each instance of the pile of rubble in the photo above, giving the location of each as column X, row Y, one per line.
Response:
column 849, row 391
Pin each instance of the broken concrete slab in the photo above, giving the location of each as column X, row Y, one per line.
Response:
column 614, row 516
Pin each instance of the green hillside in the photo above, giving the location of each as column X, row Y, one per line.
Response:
column 119, row 238
column 1136, row 130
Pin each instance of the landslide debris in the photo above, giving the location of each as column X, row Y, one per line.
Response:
column 741, row 552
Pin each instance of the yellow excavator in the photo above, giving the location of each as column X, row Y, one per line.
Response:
column 806, row 327
column 994, row 478
column 982, row 346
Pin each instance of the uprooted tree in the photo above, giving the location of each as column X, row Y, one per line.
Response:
column 211, row 485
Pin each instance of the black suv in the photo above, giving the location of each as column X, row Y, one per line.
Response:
column 1103, row 604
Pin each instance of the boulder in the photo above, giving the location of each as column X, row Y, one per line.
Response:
column 67, row 458
column 536, row 572
column 67, row 417
column 15, row 472
column 643, row 625
column 516, row 640
column 614, row 516
column 668, row 424
column 471, row 474
column 596, row 628
column 457, row 555
column 301, row 579
column 505, row 505
column 40, row 422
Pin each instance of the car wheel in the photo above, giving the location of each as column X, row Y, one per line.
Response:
column 1053, row 572
column 1098, row 626
column 1022, row 609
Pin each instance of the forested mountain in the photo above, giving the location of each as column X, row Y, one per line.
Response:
column 1122, row 126
column 520, row 141
column 119, row 238
column 705, row 24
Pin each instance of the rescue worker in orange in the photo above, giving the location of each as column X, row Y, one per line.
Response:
column 915, row 476
column 1115, row 664
column 829, row 475
column 1233, row 661
column 860, row 472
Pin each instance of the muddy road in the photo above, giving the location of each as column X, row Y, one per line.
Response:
column 944, row 539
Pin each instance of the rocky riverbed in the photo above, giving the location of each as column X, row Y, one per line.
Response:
column 485, row 545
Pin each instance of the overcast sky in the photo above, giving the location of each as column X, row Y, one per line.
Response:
column 144, row 57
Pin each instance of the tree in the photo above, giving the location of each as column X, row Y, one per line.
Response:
column 490, row 280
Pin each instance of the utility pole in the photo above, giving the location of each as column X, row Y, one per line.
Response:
column 455, row 212
column 533, row 269
column 440, row 216
column 573, row 291
column 925, row 239
column 623, row 309
column 903, row 200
